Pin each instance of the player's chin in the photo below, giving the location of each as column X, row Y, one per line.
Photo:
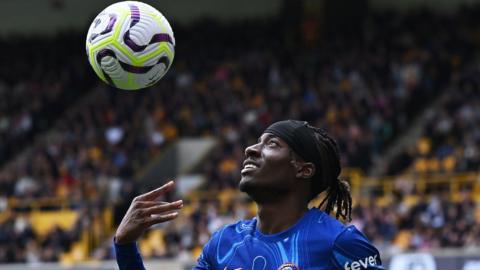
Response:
column 246, row 181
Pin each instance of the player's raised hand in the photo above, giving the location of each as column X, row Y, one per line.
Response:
column 145, row 211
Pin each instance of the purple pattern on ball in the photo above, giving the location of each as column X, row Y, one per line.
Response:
column 162, row 37
column 127, row 67
column 135, row 15
column 142, row 70
column 101, row 54
column 111, row 23
column 105, row 52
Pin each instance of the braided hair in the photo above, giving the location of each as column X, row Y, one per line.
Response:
column 338, row 195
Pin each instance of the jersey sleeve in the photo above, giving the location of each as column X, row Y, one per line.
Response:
column 204, row 261
column 353, row 251
column 128, row 257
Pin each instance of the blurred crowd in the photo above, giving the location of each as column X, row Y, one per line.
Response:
column 451, row 134
column 364, row 89
column 429, row 223
column 39, row 80
column 20, row 243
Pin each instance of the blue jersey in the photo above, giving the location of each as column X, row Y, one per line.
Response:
column 316, row 242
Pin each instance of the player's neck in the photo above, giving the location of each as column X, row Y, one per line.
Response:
column 279, row 216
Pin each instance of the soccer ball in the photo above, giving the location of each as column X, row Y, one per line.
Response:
column 130, row 45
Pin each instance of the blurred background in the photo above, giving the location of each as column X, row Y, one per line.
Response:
column 395, row 82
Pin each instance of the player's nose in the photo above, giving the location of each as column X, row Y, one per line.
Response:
column 253, row 150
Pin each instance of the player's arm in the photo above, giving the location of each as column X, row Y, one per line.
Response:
column 128, row 257
column 353, row 251
column 144, row 211
column 205, row 260
column 202, row 261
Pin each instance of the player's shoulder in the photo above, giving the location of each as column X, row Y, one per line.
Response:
column 353, row 250
column 322, row 222
column 350, row 234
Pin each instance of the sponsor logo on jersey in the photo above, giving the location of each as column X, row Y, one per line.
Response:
column 244, row 227
column 288, row 266
column 361, row 264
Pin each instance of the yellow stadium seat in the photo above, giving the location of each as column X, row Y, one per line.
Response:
column 170, row 131
column 156, row 242
column 433, row 165
column 225, row 197
column 78, row 252
column 411, row 200
column 253, row 209
column 66, row 259
column 424, row 146
column 384, row 201
column 228, row 165
column 448, row 163
column 187, row 210
column 4, row 216
column 145, row 248
column 476, row 192
column 44, row 221
column 420, row 165
column 402, row 239
column 153, row 244
column 196, row 251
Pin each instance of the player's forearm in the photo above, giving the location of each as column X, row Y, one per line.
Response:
column 128, row 257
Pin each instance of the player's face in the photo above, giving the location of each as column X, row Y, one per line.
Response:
column 268, row 165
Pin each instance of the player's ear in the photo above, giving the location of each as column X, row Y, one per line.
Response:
column 304, row 169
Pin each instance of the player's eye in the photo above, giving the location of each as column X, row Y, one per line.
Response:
column 272, row 143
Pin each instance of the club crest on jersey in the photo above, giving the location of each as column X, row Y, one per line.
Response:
column 288, row 266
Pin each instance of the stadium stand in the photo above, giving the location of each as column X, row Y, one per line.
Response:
column 51, row 85
column 364, row 92
column 450, row 135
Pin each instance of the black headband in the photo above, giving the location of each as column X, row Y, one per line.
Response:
column 301, row 138
column 298, row 136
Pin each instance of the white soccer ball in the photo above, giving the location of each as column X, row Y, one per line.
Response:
column 130, row 45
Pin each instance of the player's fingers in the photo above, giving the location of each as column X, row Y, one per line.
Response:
column 159, row 209
column 145, row 204
column 160, row 218
column 152, row 195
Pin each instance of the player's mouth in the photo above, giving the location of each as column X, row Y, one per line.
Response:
column 249, row 166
